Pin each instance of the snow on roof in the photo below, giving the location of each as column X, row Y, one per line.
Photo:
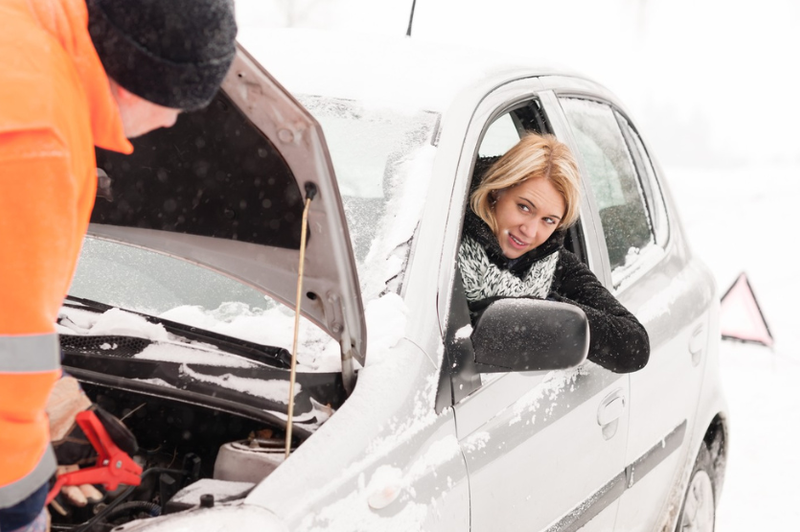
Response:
column 387, row 71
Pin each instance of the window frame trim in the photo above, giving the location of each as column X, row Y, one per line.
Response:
column 647, row 184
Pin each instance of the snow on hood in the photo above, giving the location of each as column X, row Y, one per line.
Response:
column 394, row 368
column 386, row 323
column 216, row 519
column 317, row 352
column 386, row 257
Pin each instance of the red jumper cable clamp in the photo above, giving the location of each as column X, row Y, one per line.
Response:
column 113, row 466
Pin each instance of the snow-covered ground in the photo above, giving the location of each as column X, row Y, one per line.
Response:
column 742, row 220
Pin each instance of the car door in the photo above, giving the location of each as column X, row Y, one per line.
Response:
column 544, row 450
column 653, row 276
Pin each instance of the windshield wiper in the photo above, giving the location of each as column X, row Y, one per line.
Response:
column 277, row 357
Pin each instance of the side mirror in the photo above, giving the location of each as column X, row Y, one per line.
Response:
column 523, row 334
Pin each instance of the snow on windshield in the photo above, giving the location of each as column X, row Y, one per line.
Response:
column 382, row 160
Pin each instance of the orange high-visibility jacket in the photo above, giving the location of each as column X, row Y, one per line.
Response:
column 55, row 106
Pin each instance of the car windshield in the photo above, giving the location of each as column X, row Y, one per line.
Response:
column 381, row 158
column 372, row 151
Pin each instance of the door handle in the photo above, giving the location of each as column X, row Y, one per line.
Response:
column 609, row 412
column 697, row 344
column 611, row 408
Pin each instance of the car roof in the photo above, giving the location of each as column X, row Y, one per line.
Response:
column 386, row 71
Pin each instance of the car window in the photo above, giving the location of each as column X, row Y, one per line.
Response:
column 372, row 150
column 613, row 180
column 652, row 190
column 143, row 281
column 500, row 137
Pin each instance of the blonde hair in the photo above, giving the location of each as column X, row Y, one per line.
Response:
column 533, row 157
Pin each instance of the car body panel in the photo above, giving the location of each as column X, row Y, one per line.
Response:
column 533, row 427
column 385, row 439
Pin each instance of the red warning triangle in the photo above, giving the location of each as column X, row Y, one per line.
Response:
column 740, row 317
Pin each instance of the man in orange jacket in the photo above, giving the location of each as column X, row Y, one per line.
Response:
column 75, row 74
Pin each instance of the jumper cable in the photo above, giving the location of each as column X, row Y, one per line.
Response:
column 113, row 466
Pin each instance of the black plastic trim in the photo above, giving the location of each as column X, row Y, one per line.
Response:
column 224, row 405
column 657, row 454
column 585, row 512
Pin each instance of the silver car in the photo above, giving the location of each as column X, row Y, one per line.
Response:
column 180, row 317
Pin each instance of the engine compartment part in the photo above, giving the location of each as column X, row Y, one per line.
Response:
column 178, row 449
column 207, row 492
column 249, row 460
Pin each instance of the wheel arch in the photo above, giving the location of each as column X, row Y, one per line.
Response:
column 716, row 440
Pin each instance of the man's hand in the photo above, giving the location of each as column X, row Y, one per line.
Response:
column 66, row 400
column 70, row 444
column 78, row 496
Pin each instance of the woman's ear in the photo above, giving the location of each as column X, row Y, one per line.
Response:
column 495, row 195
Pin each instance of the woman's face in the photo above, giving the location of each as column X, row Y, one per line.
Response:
column 527, row 214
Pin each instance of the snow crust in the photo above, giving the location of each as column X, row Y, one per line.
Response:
column 316, row 352
column 118, row 322
column 387, row 412
column 274, row 390
column 636, row 260
column 386, row 322
column 549, row 390
column 464, row 332
column 662, row 303
column 220, row 518
column 389, row 252
column 180, row 353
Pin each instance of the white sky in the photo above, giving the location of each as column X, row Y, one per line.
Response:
column 711, row 82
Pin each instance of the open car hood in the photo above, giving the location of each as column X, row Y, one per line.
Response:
column 225, row 188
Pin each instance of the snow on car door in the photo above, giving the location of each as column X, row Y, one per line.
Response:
column 545, row 451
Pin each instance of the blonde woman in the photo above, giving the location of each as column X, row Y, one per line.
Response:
column 513, row 246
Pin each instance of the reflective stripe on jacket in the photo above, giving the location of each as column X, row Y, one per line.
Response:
column 55, row 106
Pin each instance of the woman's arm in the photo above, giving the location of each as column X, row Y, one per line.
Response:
column 618, row 341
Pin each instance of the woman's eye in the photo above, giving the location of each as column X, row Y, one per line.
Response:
column 549, row 221
column 523, row 207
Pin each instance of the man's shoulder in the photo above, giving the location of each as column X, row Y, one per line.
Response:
column 38, row 82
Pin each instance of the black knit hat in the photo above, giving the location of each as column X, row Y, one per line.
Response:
column 174, row 53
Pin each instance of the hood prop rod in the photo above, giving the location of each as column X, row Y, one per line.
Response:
column 311, row 192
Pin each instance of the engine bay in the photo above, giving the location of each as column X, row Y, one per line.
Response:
column 190, row 454
column 208, row 411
